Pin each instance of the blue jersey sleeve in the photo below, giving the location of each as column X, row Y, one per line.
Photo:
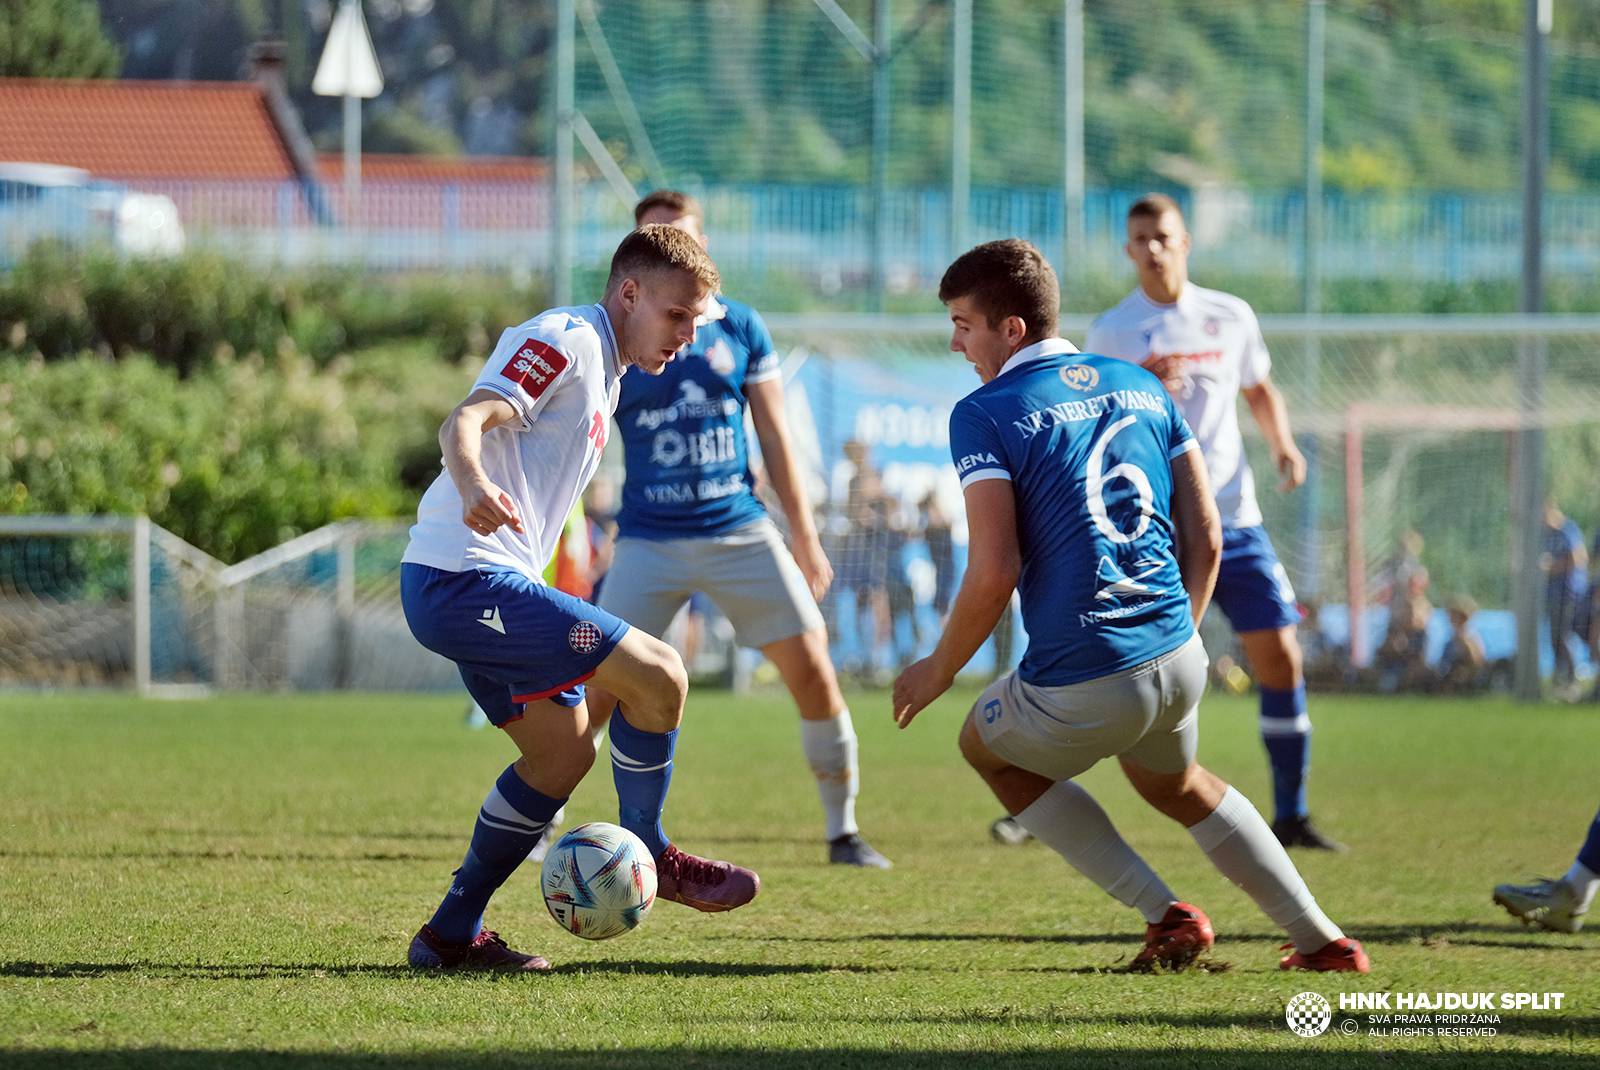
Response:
column 763, row 353
column 975, row 445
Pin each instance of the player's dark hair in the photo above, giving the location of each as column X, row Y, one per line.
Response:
column 1153, row 206
column 1006, row 278
column 659, row 247
column 672, row 200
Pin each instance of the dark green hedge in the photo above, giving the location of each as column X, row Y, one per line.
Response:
column 236, row 458
column 186, row 311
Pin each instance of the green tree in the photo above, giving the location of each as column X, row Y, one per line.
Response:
column 55, row 39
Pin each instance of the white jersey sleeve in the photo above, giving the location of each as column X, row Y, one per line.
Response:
column 1254, row 363
column 526, row 371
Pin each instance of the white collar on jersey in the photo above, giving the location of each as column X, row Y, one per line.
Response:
column 608, row 339
column 716, row 310
column 1050, row 347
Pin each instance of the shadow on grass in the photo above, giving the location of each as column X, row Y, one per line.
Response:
column 1441, row 937
column 1320, row 1054
column 223, row 854
column 259, row 971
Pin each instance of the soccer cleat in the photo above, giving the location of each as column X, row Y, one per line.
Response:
column 1547, row 903
column 486, row 951
column 1300, row 832
column 703, row 883
column 1009, row 831
column 851, row 850
column 1343, row 954
column 547, row 838
column 1182, row 935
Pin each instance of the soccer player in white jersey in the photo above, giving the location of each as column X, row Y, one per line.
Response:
column 691, row 523
column 517, row 455
column 1086, row 494
column 1206, row 347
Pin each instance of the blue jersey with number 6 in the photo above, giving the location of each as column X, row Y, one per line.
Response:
column 1087, row 443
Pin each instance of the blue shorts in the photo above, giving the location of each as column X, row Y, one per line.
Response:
column 515, row 641
column 1252, row 587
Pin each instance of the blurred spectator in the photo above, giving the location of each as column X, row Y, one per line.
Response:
column 1401, row 661
column 900, row 599
column 1325, row 664
column 1591, row 629
column 1402, row 572
column 941, row 551
column 1564, row 563
column 1463, row 668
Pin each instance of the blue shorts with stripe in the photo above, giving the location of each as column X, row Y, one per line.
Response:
column 514, row 640
column 1252, row 587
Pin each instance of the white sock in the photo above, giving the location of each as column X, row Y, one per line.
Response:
column 1243, row 848
column 1584, row 882
column 830, row 749
column 1068, row 820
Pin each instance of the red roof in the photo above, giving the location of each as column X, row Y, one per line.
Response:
column 131, row 130
column 382, row 167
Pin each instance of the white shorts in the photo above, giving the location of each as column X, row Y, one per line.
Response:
column 1148, row 714
column 749, row 573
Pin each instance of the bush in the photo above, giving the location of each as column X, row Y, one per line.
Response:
column 185, row 311
column 238, row 457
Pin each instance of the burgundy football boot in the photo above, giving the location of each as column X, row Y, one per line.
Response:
column 703, row 883
column 486, row 951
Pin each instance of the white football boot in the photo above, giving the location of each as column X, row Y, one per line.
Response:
column 1552, row 904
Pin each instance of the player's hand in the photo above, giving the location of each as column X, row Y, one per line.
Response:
column 814, row 566
column 1292, row 467
column 917, row 687
column 485, row 507
column 1169, row 370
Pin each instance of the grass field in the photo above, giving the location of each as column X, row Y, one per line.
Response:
column 234, row 882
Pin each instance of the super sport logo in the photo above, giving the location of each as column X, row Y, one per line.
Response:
column 535, row 366
column 1080, row 377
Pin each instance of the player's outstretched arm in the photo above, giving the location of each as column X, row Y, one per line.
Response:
column 1272, row 416
column 484, row 506
column 1198, row 527
column 783, row 469
column 994, row 561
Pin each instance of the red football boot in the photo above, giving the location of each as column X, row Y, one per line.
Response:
column 1180, row 937
column 1342, row 954
column 703, row 883
column 486, row 951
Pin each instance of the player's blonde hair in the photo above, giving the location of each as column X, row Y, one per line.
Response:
column 660, row 247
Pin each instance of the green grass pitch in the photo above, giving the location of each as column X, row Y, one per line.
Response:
column 233, row 881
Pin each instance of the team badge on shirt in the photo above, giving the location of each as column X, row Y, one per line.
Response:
column 584, row 637
column 1080, row 377
column 720, row 357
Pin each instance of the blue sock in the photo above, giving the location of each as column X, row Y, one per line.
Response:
column 1286, row 733
column 1589, row 855
column 641, row 765
column 511, row 821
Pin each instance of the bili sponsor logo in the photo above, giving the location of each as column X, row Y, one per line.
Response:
column 669, row 449
column 1064, row 412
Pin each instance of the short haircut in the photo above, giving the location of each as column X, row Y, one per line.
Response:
column 1006, row 278
column 1153, row 206
column 670, row 199
column 659, row 247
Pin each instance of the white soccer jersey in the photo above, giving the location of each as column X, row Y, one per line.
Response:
column 1218, row 342
column 560, row 371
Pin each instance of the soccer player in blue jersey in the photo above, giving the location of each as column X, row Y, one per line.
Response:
column 1085, row 492
column 1558, row 904
column 517, row 454
column 691, row 523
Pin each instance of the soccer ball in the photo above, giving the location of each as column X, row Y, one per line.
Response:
column 599, row 881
